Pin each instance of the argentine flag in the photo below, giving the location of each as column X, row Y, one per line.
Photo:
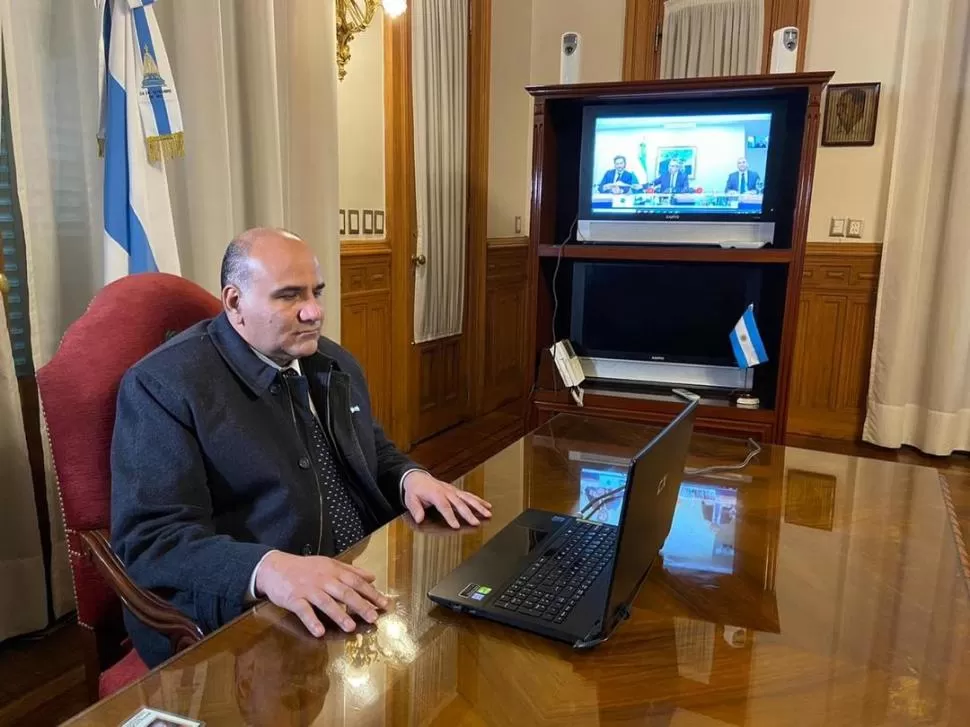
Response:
column 141, row 127
column 749, row 350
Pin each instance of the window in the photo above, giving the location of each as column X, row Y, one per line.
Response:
column 13, row 256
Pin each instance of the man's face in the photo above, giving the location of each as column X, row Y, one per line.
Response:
column 674, row 167
column 619, row 164
column 849, row 111
column 277, row 310
column 742, row 165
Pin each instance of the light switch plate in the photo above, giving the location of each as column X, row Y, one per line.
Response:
column 837, row 227
column 854, row 229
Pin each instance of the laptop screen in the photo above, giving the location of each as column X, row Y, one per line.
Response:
column 601, row 493
column 647, row 511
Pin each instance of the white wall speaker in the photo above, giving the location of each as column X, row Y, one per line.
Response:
column 784, row 50
column 571, row 48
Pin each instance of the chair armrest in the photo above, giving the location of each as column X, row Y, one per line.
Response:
column 145, row 605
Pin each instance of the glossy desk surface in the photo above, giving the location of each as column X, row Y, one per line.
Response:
column 810, row 589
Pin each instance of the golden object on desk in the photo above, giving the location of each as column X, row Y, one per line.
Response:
column 352, row 19
column 4, row 284
column 389, row 641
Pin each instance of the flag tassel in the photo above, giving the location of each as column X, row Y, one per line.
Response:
column 168, row 146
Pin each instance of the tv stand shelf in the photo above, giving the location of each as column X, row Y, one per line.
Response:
column 769, row 277
column 713, row 418
column 672, row 253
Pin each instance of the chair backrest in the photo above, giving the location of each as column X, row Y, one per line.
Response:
column 79, row 387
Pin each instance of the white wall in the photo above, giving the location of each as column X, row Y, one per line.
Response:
column 599, row 22
column 861, row 41
column 360, row 121
column 510, row 118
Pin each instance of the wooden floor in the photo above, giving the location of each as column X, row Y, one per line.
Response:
column 42, row 680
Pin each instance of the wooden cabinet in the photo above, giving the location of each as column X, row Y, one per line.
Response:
column 557, row 141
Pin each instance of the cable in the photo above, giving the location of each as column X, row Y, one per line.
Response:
column 555, row 276
column 601, row 500
column 754, row 449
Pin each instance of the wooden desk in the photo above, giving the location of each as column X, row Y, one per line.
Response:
column 844, row 602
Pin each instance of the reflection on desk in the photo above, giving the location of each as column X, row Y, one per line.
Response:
column 835, row 598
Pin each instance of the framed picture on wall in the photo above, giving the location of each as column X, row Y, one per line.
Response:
column 378, row 222
column 343, row 222
column 686, row 155
column 851, row 112
column 368, row 222
column 353, row 222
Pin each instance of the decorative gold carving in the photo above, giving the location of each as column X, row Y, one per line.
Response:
column 353, row 19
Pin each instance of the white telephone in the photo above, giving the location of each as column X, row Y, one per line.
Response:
column 570, row 369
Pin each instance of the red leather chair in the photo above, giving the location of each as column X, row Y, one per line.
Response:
column 78, row 388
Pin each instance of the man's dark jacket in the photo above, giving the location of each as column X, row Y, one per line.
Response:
column 210, row 471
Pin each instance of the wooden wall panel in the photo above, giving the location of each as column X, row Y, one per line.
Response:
column 441, row 393
column 505, row 321
column 365, row 315
column 641, row 40
column 834, row 341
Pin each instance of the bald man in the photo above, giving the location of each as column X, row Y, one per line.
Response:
column 245, row 456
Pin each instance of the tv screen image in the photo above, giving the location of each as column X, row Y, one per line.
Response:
column 680, row 165
column 703, row 531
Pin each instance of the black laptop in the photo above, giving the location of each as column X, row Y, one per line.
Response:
column 571, row 578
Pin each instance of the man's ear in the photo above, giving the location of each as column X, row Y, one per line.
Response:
column 230, row 302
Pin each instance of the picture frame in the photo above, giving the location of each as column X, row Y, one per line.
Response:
column 378, row 222
column 353, row 222
column 686, row 155
column 851, row 114
column 810, row 499
column 368, row 222
column 343, row 222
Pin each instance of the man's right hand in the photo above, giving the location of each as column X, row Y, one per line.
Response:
column 299, row 583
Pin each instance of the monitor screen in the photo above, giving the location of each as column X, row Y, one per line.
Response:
column 675, row 166
column 671, row 312
column 703, row 532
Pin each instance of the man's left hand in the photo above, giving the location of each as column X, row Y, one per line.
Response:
column 421, row 490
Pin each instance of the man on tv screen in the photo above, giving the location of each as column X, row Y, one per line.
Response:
column 672, row 181
column 619, row 180
column 742, row 181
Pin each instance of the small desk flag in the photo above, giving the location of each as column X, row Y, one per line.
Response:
column 749, row 350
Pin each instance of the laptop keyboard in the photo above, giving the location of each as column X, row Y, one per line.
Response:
column 552, row 585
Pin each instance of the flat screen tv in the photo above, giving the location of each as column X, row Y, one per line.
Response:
column 660, row 312
column 710, row 161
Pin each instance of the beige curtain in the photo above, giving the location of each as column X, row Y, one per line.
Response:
column 919, row 392
column 711, row 38
column 50, row 54
column 23, row 595
column 257, row 81
column 257, row 84
column 439, row 66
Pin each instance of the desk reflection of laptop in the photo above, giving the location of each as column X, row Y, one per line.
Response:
column 702, row 536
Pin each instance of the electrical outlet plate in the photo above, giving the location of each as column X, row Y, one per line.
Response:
column 518, row 225
column 837, row 227
column 854, row 229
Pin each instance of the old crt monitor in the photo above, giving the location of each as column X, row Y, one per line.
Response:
column 709, row 167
